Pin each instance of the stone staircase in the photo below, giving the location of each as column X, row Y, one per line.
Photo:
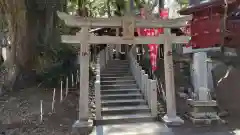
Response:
column 121, row 98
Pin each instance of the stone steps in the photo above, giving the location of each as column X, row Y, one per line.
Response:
column 118, row 82
column 116, row 74
column 120, row 71
column 122, row 96
column 117, row 66
column 127, row 116
column 107, row 78
column 133, row 102
column 121, row 99
column 115, row 110
column 120, row 91
column 119, row 86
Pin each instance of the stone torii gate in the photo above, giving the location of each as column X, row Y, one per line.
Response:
column 128, row 23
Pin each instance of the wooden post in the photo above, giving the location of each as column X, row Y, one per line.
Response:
column 41, row 110
column 66, row 92
column 61, row 91
column 53, row 100
column 73, row 80
column 170, row 117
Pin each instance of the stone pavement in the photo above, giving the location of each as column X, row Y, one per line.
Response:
column 146, row 128
column 158, row 128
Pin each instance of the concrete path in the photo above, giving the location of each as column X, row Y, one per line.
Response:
column 158, row 128
column 146, row 128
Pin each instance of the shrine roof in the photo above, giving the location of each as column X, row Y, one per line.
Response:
column 201, row 6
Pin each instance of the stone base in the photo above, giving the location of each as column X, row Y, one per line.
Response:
column 173, row 121
column 202, row 111
column 82, row 127
column 205, row 121
column 192, row 102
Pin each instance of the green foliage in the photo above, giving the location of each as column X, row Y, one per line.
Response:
column 183, row 3
column 99, row 8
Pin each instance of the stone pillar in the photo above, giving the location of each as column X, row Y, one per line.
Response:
column 110, row 51
column 82, row 121
column 78, row 58
column 200, row 71
column 84, row 80
column 202, row 107
column 118, row 47
column 210, row 65
column 170, row 118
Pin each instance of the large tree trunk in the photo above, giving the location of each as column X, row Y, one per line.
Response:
column 22, row 27
column 30, row 22
column 16, row 23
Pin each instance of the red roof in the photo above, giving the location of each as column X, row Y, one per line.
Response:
column 204, row 5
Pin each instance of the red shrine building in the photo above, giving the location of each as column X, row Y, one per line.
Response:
column 214, row 28
column 214, row 23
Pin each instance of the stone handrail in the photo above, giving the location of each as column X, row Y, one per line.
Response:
column 148, row 86
column 97, row 90
column 104, row 57
column 102, row 60
column 160, row 89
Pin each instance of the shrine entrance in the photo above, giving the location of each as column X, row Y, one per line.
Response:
column 128, row 24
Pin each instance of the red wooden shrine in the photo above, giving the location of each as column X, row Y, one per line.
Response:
column 206, row 27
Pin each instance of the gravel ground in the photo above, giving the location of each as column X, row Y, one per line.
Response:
column 20, row 113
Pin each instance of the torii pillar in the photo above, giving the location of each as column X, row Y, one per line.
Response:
column 171, row 117
column 83, row 118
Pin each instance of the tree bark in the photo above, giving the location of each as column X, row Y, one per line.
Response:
column 29, row 24
column 22, row 27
